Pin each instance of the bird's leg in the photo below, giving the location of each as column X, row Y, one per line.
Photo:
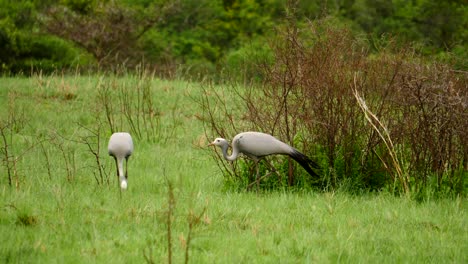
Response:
column 274, row 170
column 117, row 167
column 126, row 166
column 250, row 179
column 260, row 179
column 257, row 177
column 118, row 183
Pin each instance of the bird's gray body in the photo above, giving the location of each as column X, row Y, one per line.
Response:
column 256, row 145
column 121, row 147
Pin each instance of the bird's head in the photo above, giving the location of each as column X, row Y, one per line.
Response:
column 123, row 184
column 220, row 142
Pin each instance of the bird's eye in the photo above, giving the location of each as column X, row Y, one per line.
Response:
column 217, row 140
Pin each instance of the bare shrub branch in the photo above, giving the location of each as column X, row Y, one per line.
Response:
column 312, row 97
column 93, row 142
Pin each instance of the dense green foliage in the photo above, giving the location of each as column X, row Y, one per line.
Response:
column 203, row 35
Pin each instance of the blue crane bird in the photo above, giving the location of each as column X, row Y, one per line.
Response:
column 257, row 145
column 121, row 147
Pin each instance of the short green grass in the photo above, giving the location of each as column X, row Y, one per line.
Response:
column 50, row 218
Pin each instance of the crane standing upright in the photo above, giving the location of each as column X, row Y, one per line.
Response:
column 121, row 147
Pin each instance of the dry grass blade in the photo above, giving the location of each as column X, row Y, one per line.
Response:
column 383, row 133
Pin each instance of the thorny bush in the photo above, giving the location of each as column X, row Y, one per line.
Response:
column 306, row 99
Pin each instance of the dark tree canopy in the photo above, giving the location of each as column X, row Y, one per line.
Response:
column 52, row 34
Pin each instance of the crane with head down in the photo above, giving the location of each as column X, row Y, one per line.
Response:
column 121, row 147
column 257, row 145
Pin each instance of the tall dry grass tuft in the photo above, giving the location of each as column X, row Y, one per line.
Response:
column 384, row 135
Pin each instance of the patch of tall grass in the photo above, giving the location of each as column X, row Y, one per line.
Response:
column 57, row 209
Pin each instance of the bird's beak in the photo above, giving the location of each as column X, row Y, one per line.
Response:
column 211, row 144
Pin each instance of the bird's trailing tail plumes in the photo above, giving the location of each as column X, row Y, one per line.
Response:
column 305, row 162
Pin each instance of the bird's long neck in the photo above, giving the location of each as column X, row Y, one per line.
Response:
column 122, row 178
column 120, row 168
column 234, row 153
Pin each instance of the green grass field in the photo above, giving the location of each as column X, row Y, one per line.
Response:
column 56, row 212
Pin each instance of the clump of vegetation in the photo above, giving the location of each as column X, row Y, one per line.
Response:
column 26, row 219
column 307, row 99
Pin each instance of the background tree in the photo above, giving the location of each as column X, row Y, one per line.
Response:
column 203, row 35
